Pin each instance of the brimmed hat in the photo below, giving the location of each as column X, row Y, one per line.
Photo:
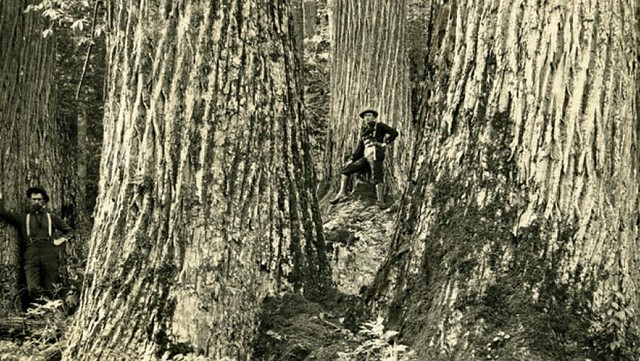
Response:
column 372, row 111
column 38, row 190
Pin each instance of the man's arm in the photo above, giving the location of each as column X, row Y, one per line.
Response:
column 392, row 134
column 62, row 226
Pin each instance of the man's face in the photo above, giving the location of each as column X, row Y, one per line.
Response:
column 369, row 118
column 37, row 201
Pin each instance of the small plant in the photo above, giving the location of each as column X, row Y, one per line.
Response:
column 377, row 344
column 615, row 332
column 52, row 317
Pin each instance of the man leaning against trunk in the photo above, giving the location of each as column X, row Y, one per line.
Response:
column 36, row 229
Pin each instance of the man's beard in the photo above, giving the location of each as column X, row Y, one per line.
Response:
column 37, row 207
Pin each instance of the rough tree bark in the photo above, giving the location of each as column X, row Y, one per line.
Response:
column 297, row 19
column 522, row 221
column 206, row 201
column 31, row 150
column 82, row 146
column 368, row 70
column 316, row 78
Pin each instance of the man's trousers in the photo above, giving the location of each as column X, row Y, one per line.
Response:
column 41, row 268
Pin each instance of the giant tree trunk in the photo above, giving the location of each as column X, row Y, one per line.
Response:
column 206, row 203
column 523, row 218
column 368, row 70
column 32, row 141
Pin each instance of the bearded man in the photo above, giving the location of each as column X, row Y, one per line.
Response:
column 374, row 138
column 36, row 229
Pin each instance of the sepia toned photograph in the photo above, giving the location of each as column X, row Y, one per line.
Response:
column 319, row 180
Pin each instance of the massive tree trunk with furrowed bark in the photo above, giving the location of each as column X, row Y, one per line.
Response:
column 519, row 237
column 206, row 201
column 368, row 71
column 32, row 146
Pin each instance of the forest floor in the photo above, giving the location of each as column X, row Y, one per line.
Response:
column 35, row 336
column 339, row 327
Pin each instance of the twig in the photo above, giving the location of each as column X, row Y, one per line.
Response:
column 337, row 328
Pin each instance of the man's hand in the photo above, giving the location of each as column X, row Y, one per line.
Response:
column 61, row 240
column 382, row 145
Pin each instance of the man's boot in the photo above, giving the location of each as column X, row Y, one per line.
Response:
column 342, row 194
column 380, row 196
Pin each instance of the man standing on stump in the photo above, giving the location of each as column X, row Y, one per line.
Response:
column 374, row 138
column 36, row 233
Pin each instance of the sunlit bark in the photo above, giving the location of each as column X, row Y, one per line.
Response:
column 523, row 217
column 207, row 202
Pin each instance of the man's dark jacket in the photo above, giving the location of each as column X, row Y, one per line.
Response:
column 376, row 134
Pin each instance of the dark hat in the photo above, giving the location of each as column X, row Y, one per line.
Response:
column 38, row 190
column 362, row 113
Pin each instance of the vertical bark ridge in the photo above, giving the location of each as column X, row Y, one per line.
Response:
column 219, row 211
column 537, row 144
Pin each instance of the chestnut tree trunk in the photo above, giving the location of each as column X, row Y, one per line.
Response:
column 32, row 150
column 519, row 238
column 206, row 201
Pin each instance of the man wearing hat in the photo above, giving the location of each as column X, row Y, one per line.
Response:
column 36, row 233
column 374, row 138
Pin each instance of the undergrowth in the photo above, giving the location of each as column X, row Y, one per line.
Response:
column 337, row 328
